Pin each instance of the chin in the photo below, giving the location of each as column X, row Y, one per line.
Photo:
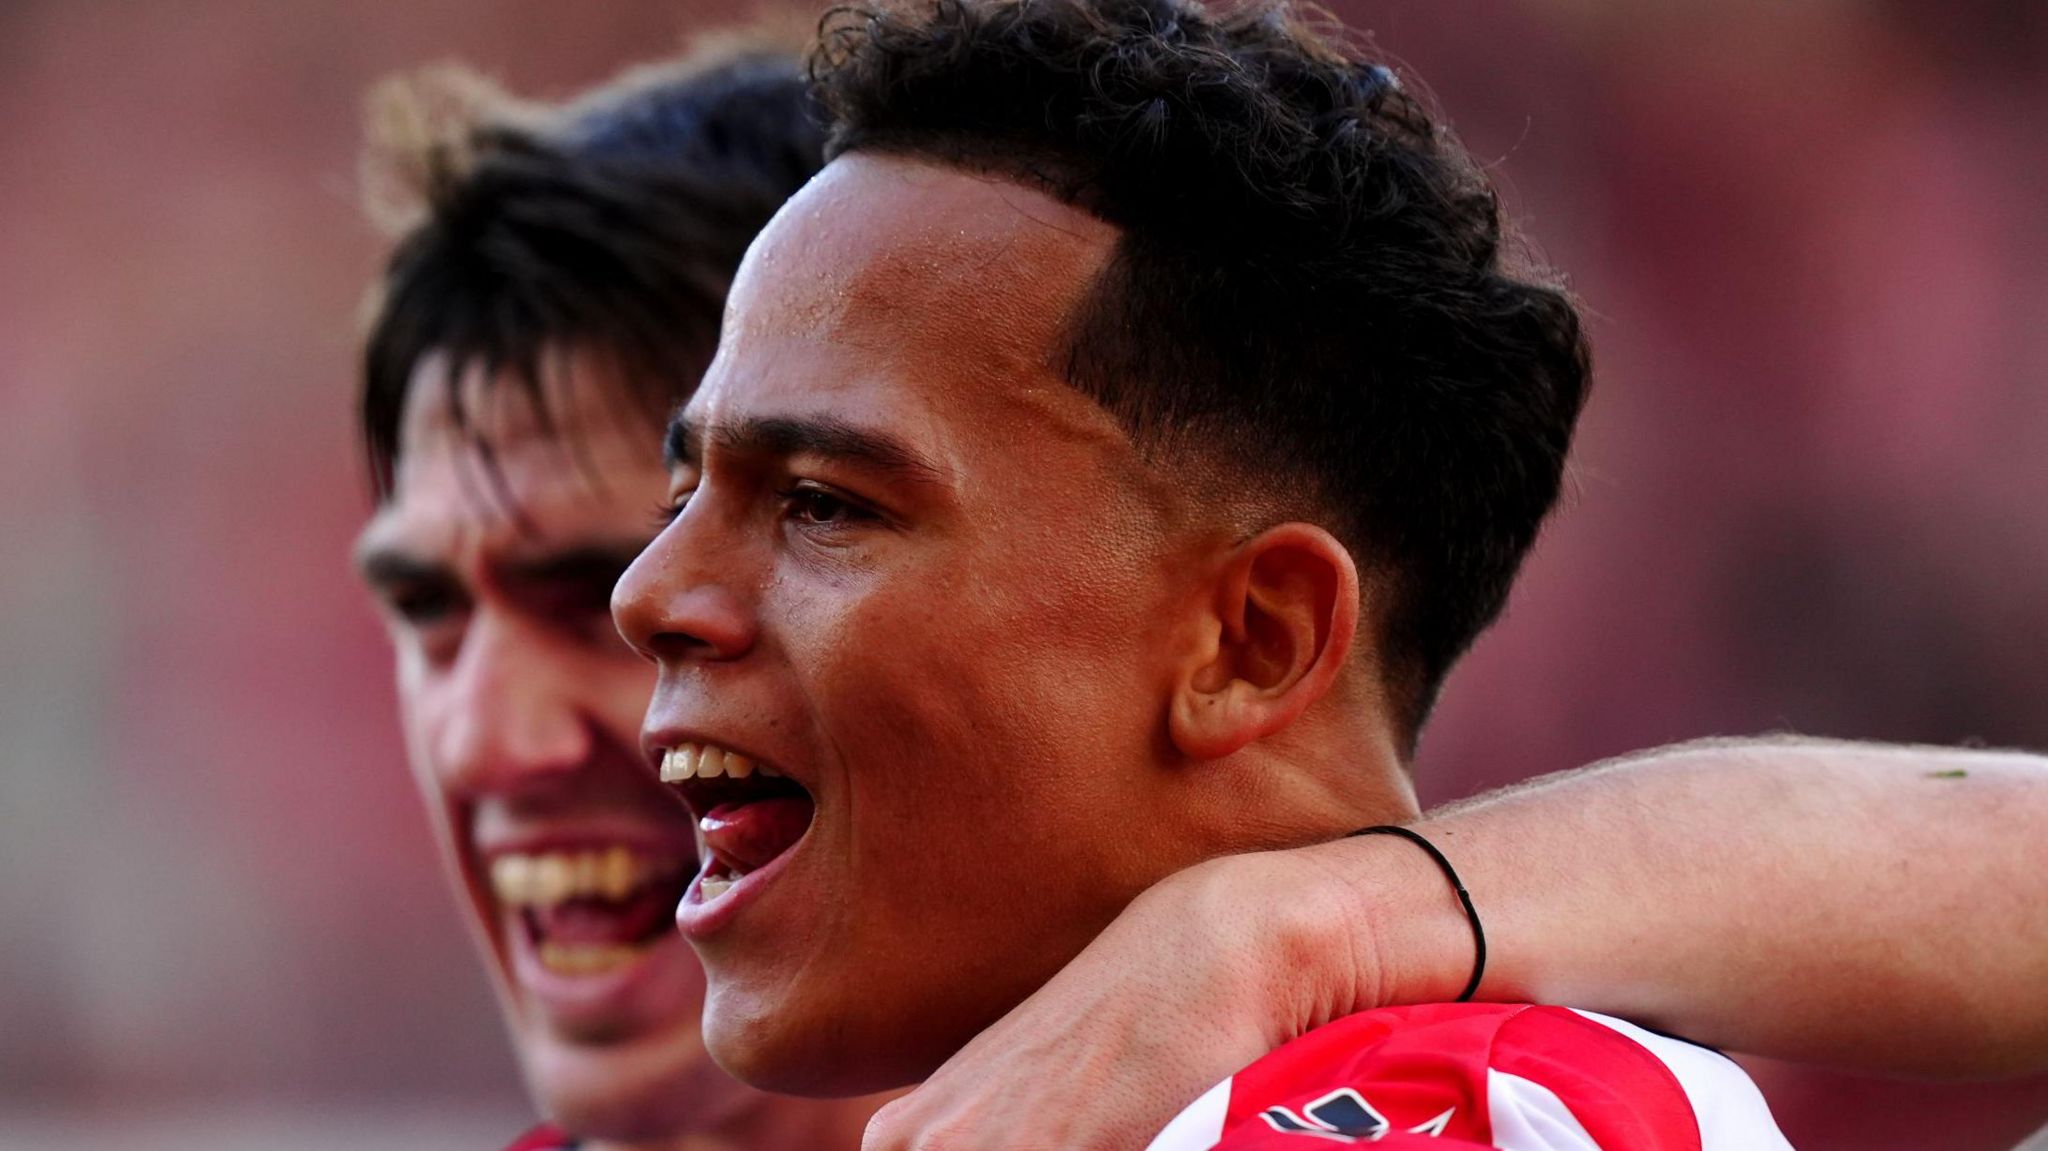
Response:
column 783, row 1046
column 646, row 1091
column 761, row 1047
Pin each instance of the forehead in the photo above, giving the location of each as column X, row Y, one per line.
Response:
column 886, row 269
column 499, row 470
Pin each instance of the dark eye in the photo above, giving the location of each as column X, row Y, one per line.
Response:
column 577, row 596
column 809, row 503
column 428, row 615
column 423, row 605
column 666, row 511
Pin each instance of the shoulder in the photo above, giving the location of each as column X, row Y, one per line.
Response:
column 1506, row 1076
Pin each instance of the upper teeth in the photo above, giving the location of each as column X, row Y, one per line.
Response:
column 707, row 761
column 555, row 876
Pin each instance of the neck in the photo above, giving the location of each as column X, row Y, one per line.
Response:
column 1329, row 774
column 814, row 1124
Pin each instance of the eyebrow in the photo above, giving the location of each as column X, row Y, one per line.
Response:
column 386, row 565
column 389, row 565
column 784, row 436
column 573, row 564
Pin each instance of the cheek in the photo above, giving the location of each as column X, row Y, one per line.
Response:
column 420, row 711
column 977, row 844
column 972, row 712
column 419, row 715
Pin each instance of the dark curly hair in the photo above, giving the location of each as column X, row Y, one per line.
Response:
column 1313, row 285
column 611, row 225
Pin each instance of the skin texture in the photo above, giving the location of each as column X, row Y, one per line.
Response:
column 1592, row 896
column 946, row 647
column 521, row 706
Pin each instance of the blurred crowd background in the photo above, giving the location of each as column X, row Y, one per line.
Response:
column 1810, row 494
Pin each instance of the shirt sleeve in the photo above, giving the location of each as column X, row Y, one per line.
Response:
column 1452, row 1076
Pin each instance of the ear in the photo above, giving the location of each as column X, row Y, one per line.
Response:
column 1284, row 615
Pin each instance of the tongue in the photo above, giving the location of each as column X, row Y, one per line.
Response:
column 603, row 921
column 745, row 836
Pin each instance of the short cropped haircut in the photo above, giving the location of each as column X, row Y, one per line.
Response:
column 611, row 225
column 1313, row 289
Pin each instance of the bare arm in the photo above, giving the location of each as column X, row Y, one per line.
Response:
column 1761, row 896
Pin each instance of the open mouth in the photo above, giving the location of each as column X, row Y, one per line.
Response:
column 587, row 911
column 747, row 813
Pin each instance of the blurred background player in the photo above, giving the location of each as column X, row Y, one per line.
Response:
column 558, row 291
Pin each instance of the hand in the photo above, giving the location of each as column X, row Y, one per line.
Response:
column 1204, row 973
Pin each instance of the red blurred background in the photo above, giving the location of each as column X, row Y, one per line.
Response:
column 1809, row 493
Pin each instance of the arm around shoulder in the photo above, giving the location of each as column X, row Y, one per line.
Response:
column 1874, row 907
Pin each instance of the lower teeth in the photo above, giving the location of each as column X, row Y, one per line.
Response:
column 585, row 958
column 712, row 886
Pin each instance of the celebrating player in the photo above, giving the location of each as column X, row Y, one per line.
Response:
column 1105, row 459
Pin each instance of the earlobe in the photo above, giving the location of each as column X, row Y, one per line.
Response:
column 1211, row 724
column 1282, row 617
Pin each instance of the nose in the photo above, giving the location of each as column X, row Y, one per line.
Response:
column 512, row 710
column 678, row 601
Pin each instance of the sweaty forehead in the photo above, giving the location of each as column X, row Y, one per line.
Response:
column 880, row 250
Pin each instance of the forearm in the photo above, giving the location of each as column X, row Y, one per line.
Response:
column 1873, row 907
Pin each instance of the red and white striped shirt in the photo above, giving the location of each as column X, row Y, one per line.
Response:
column 1468, row 1075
